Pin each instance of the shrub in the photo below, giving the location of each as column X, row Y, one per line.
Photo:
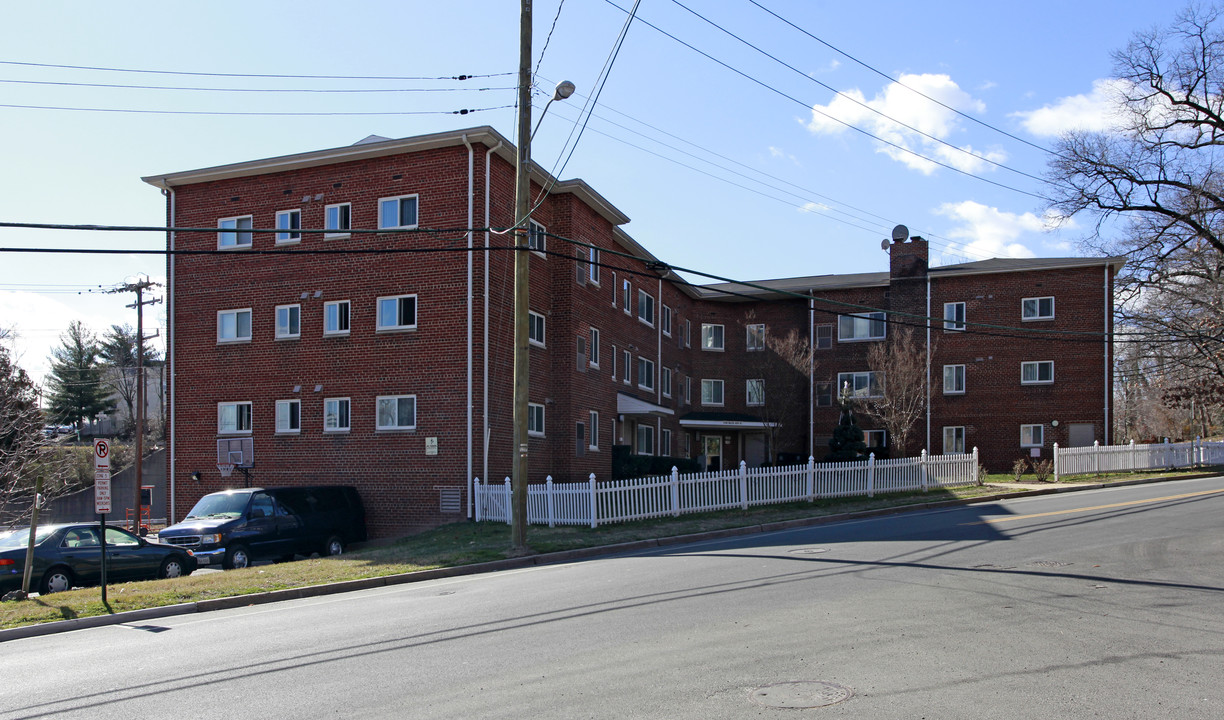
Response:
column 1019, row 468
column 1043, row 469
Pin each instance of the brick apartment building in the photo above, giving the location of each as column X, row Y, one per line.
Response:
column 378, row 352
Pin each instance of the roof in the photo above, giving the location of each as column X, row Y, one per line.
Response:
column 722, row 420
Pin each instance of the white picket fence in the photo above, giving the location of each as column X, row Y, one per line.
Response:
column 598, row 502
column 1121, row 458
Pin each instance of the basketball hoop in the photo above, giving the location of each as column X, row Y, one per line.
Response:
column 225, row 469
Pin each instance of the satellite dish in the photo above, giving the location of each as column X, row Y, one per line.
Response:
column 900, row 233
column 884, row 244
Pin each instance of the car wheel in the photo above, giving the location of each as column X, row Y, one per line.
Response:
column 57, row 579
column 237, row 557
column 171, row 567
column 333, row 546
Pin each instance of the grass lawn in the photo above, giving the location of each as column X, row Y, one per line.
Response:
column 463, row 543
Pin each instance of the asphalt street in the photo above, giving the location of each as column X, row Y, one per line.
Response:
column 1098, row 604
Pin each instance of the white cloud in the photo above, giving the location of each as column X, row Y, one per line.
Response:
column 915, row 111
column 779, row 153
column 1096, row 111
column 987, row 232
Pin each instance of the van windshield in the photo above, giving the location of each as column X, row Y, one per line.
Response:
column 222, row 505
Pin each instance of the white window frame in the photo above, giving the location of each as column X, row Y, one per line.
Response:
column 953, row 439
column 593, row 431
column 348, row 316
column 614, row 360
column 645, row 312
column 665, row 381
column 665, row 436
column 708, row 386
column 954, row 317
column 339, row 402
column 754, row 341
column 859, row 323
column 871, row 377
column 535, row 328
column 759, row 385
column 627, row 369
column 283, row 413
column 378, row 408
column 237, row 338
column 593, row 348
column 869, row 434
column 398, row 327
column 688, row 330
column 535, row 420
column 593, row 265
column 646, row 372
column 242, row 235
column 1036, row 315
column 615, row 290
column 343, row 212
column 957, row 373
column 287, row 231
column 1037, row 366
column 627, row 296
column 537, row 236
column 824, row 337
column 398, row 200
column 823, row 399
column 237, row 406
column 707, row 337
column 645, row 432
column 1032, row 436
column 292, row 313
column 665, row 320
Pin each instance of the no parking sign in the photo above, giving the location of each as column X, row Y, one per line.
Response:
column 102, row 479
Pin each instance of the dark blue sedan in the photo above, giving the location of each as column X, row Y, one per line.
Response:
column 67, row 556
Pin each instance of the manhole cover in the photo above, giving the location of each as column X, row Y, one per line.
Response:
column 801, row 694
column 809, row 551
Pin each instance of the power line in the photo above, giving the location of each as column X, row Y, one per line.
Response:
column 251, row 90
column 257, row 75
column 258, row 114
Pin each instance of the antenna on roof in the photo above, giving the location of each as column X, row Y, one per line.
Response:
column 900, row 233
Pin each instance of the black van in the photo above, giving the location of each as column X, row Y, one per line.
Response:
column 232, row 528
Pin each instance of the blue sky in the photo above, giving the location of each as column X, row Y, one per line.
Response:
column 731, row 162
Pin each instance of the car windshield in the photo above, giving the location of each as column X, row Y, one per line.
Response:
column 19, row 538
column 222, row 505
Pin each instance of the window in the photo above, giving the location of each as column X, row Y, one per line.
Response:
column 288, row 226
column 824, row 337
column 1037, row 373
column 396, row 412
column 712, row 392
column 646, row 308
column 666, row 321
column 288, row 321
column 615, row 290
column 824, row 394
column 535, row 419
column 239, row 234
column 288, row 416
column 582, row 354
column 688, row 326
column 646, row 377
column 688, row 390
column 397, row 212
column 613, row 363
column 336, row 415
column 397, row 312
column 954, row 439
column 535, row 236
column 535, row 328
column 595, row 347
column 1039, row 308
column 593, row 440
column 864, row 326
column 645, row 439
column 875, row 438
column 954, row 316
column 336, row 317
column 627, row 365
column 665, row 381
column 627, row 296
column 593, row 254
column 711, row 337
column 665, row 442
column 756, row 337
column 1032, row 435
column 337, row 220
column 954, row 379
column 861, row 384
column 755, row 392
column 233, row 417
column 234, row 325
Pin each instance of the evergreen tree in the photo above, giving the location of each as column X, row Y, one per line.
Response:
column 848, row 441
column 117, row 353
column 76, row 389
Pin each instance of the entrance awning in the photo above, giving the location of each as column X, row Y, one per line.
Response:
column 629, row 405
column 724, row 421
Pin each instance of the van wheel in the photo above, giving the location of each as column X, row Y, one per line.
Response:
column 333, row 546
column 236, row 558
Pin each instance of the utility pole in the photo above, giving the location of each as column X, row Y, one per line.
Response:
column 522, row 276
column 139, row 288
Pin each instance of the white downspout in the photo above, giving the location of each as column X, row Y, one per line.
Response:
column 1108, row 389
column 471, row 188
column 484, row 378
column 811, row 377
column 928, row 363
column 173, row 447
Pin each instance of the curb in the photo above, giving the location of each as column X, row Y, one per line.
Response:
column 560, row 556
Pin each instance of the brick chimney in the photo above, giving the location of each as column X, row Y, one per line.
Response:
column 907, row 274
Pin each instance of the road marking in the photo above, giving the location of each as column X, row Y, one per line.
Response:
column 1094, row 507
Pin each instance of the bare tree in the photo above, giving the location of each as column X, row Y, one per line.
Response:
column 778, row 375
column 902, row 361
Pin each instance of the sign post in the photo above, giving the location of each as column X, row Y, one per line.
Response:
column 102, row 498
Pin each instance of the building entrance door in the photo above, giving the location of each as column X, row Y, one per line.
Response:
column 712, row 447
column 754, row 449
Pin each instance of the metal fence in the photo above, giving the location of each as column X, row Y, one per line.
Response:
column 1099, row 458
column 598, row 502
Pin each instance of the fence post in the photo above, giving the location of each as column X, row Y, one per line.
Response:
column 743, row 477
column 509, row 504
column 675, row 491
column 977, row 474
column 1131, row 455
column 548, row 498
column 594, row 502
column 811, row 478
column 1056, row 468
column 922, row 470
column 479, row 497
column 871, row 475
column 1096, row 456
column 1196, row 450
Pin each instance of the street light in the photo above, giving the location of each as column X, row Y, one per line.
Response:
column 565, row 88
